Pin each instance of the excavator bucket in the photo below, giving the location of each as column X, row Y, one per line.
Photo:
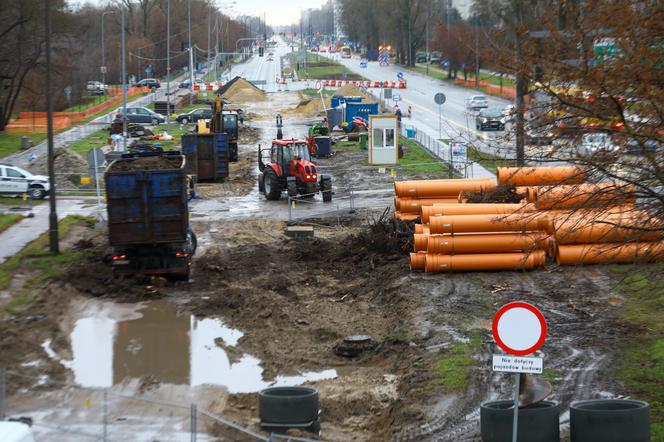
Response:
column 532, row 390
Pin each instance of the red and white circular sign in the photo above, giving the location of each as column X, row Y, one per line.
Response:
column 319, row 85
column 519, row 328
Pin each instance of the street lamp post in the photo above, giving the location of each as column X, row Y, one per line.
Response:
column 53, row 216
column 103, row 50
column 124, row 85
column 168, row 63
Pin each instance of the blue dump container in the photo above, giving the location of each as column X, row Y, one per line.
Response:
column 360, row 110
column 210, row 153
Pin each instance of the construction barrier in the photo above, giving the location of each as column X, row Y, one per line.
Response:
column 36, row 123
column 402, row 84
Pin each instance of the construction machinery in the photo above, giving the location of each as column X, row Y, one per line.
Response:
column 222, row 121
column 287, row 166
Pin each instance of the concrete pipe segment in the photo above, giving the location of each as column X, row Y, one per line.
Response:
column 488, row 243
column 608, row 420
column 610, row 253
column 472, row 209
column 490, row 223
column 483, row 262
column 537, row 423
column 541, row 176
column 441, row 188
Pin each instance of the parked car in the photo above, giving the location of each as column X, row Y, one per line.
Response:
column 96, row 87
column 421, row 57
column 490, row 119
column 597, row 142
column 633, row 147
column 194, row 115
column 16, row 431
column 436, row 57
column 476, row 102
column 540, row 135
column 16, row 181
column 184, row 84
column 142, row 115
column 152, row 83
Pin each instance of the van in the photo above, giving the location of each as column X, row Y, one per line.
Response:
column 16, row 181
column 15, row 432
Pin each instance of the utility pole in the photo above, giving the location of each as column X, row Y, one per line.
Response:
column 207, row 70
column 477, row 56
column 168, row 63
column 191, row 54
column 520, row 91
column 103, row 48
column 124, row 85
column 217, row 24
column 138, row 74
column 53, row 216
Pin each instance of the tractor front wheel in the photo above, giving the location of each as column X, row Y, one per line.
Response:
column 271, row 187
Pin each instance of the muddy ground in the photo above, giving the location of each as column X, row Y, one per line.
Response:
column 294, row 299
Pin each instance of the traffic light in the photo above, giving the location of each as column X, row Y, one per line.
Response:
column 261, row 51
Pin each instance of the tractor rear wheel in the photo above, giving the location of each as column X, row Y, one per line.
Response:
column 271, row 186
column 326, row 188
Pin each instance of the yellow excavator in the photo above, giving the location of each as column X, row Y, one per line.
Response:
column 222, row 121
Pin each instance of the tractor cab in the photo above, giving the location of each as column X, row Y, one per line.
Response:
column 287, row 166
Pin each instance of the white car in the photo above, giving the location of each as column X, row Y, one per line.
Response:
column 15, row 432
column 96, row 87
column 597, row 142
column 16, row 181
column 476, row 102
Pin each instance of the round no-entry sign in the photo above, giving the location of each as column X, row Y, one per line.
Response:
column 319, row 85
column 519, row 328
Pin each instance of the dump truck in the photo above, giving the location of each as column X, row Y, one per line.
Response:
column 148, row 215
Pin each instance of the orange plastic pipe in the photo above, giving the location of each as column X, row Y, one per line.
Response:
column 489, row 223
column 422, row 228
column 584, row 231
column 610, row 253
column 441, row 188
column 406, row 216
column 471, row 209
column 483, row 262
column 584, row 195
column 414, row 205
column 420, row 242
column 418, row 261
column 490, row 243
column 540, row 176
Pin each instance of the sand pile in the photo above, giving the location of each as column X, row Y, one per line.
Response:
column 240, row 90
column 64, row 160
column 351, row 91
column 312, row 106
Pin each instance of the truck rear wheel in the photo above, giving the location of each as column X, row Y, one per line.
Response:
column 271, row 186
column 326, row 188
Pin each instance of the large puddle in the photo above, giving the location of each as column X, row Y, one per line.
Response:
column 110, row 344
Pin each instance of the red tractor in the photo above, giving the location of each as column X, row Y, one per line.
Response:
column 287, row 166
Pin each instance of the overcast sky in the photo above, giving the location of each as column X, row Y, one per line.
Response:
column 278, row 12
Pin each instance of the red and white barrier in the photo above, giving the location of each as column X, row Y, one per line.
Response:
column 340, row 83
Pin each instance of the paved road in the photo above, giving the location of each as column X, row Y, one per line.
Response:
column 29, row 229
column 23, row 158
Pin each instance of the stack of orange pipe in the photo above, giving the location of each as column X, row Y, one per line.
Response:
column 541, row 176
column 582, row 196
column 411, row 196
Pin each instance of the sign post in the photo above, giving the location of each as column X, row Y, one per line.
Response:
column 440, row 98
column 519, row 329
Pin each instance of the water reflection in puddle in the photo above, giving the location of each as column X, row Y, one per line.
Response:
column 175, row 349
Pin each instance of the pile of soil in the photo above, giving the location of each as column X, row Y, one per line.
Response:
column 146, row 163
column 504, row 193
column 240, row 90
column 311, row 106
column 68, row 166
column 351, row 91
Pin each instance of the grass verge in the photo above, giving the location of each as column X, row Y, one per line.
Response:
column 8, row 220
column 417, row 160
column 37, row 257
column 94, row 140
column 641, row 360
column 440, row 74
column 12, row 143
column 489, row 161
column 453, row 370
column 322, row 68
